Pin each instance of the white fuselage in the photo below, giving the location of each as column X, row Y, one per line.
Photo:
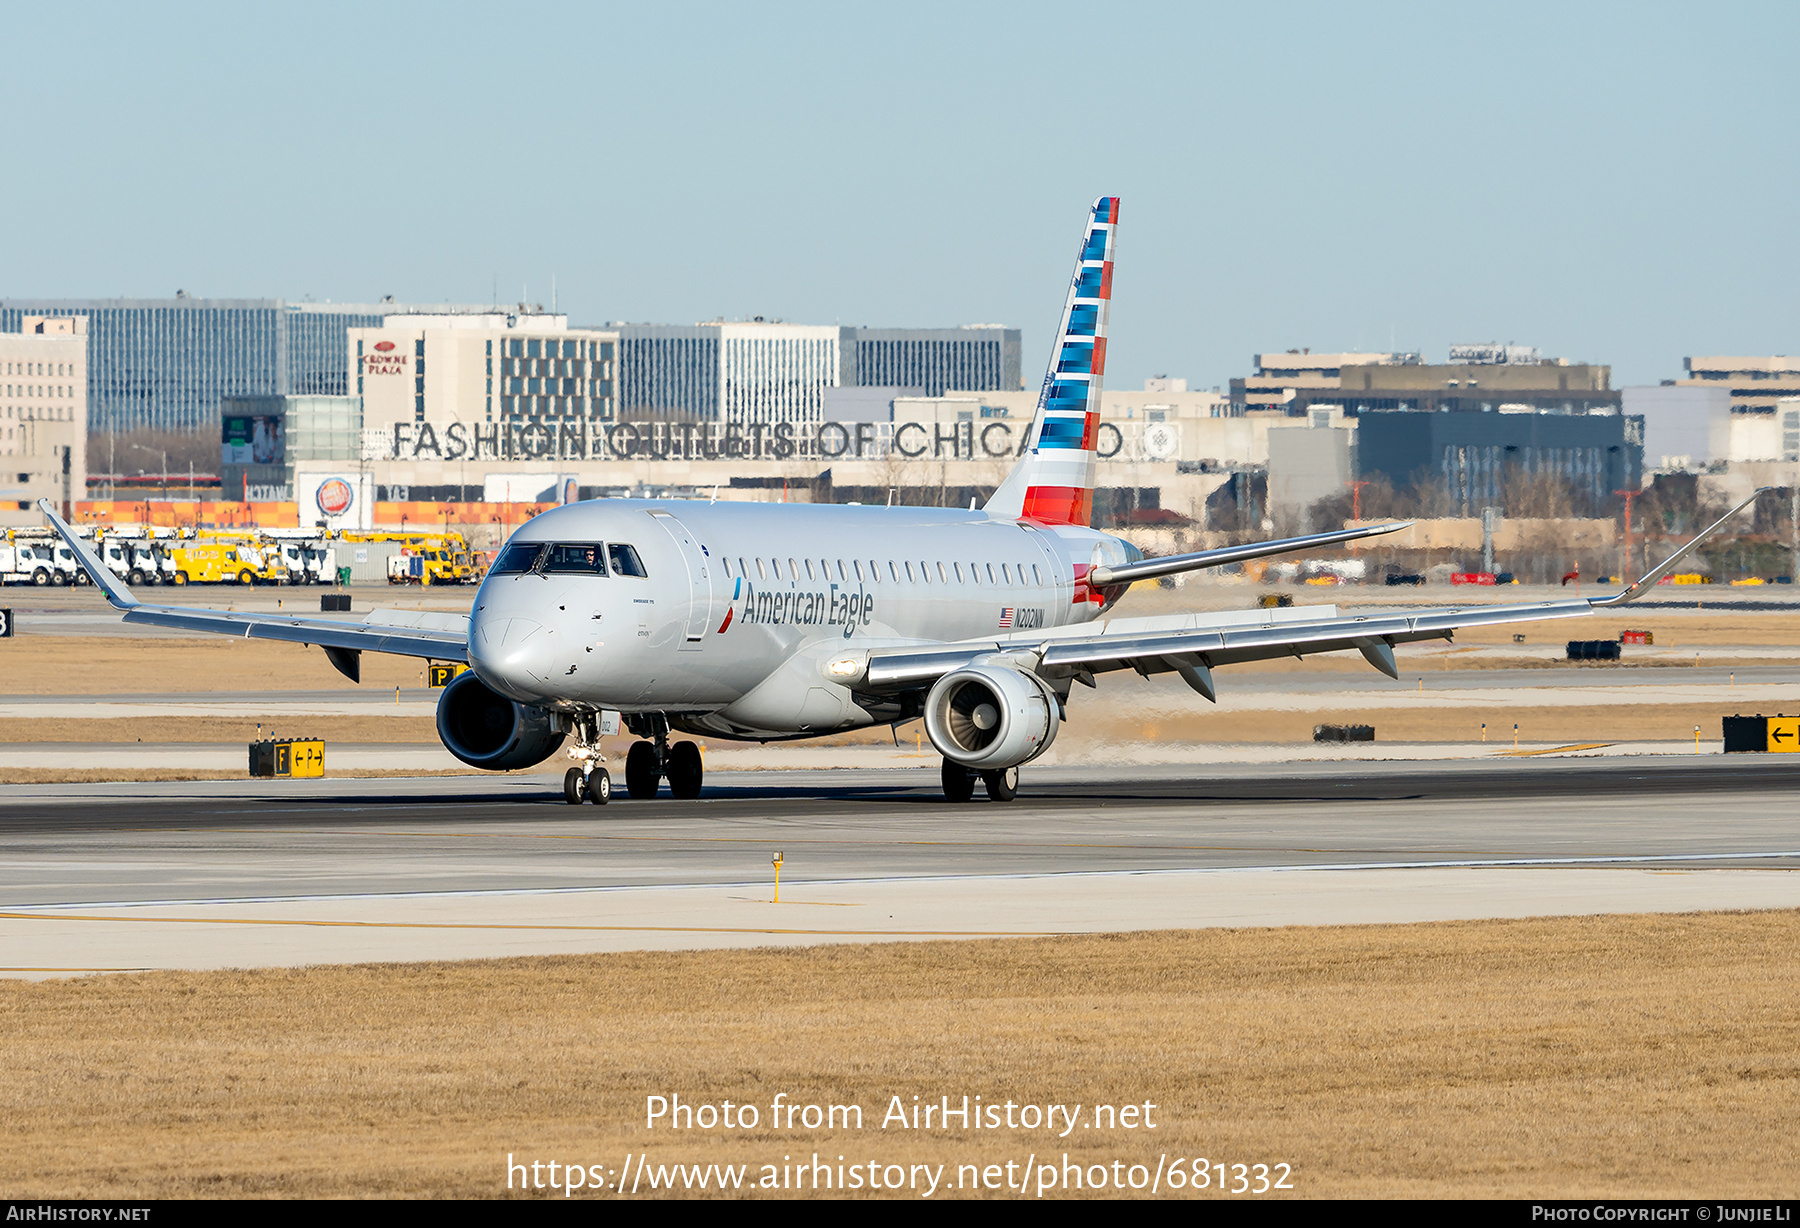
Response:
column 747, row 600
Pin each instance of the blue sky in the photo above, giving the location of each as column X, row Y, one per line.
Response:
column 1614, row 183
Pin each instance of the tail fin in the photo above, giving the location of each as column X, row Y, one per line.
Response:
column 1053, row 483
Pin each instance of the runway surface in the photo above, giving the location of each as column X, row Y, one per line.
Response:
column 211, row 874
column 240, row 840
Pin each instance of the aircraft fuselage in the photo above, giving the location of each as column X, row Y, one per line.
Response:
column 734, row 595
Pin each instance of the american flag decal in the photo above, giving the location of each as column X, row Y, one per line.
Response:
column 1006, row 617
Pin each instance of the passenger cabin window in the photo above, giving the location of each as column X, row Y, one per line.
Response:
column 518, row 558
column 625, row 561
column 760, row 575
column 909, row 574
column 1035, row 577
column 576, row 558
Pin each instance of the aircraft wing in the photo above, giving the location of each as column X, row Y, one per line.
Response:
column 439, row 638
column 1151, row 647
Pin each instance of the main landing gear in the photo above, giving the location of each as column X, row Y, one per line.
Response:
column 588, row 780
column 959, row 783
column 648, row 763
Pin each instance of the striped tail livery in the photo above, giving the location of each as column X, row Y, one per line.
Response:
column 1053, row 483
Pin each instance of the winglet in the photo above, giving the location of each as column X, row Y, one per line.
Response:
column 1649, row 579
column 116, row 593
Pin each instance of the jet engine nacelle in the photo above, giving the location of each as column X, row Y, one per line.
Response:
column 991, row 717
column 487, row 730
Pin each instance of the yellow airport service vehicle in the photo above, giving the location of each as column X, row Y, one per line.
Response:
column 200, row 562
column 433, row 565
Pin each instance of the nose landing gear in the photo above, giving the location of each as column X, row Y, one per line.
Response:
column 588, row 780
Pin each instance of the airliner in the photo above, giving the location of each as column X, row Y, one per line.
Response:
column 763, row 622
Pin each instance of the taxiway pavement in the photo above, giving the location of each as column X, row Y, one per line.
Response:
column 243, row 873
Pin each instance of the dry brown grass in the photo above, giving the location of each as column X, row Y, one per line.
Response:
column 130, row 665
column 1702, row 629
column 160, row 729
column 1612, row 1056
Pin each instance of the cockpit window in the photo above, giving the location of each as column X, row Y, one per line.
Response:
column 576, row 558
column 518, row 558
column 625, row 561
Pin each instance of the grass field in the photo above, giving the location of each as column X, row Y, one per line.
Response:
column 1592, row 1057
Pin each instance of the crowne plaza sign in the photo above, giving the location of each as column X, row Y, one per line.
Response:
column 385, row 360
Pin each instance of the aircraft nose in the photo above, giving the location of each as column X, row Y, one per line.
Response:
column 516, row 656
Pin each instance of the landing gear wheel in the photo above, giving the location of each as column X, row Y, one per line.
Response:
column 573, row 786
column 959, row 782
column 685, row 770
column 641, row 771
column 1001, row 786
column 599, row 787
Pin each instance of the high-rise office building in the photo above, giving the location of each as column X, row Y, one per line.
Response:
column 167, row 363
column 761, row 371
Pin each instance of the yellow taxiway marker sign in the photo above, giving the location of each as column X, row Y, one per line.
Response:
column 1784, row 733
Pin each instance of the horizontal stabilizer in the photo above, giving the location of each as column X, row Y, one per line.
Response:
column 1150, row 569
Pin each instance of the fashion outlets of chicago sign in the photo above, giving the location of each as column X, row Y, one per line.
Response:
column 585, row 440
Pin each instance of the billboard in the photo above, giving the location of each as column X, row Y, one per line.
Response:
column 342, row 500
column 258, row 440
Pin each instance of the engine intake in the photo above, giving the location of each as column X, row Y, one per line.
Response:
column 991, row 717
column 487, row 730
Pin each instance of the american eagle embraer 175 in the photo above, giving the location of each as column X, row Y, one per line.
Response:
column 774, row 621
